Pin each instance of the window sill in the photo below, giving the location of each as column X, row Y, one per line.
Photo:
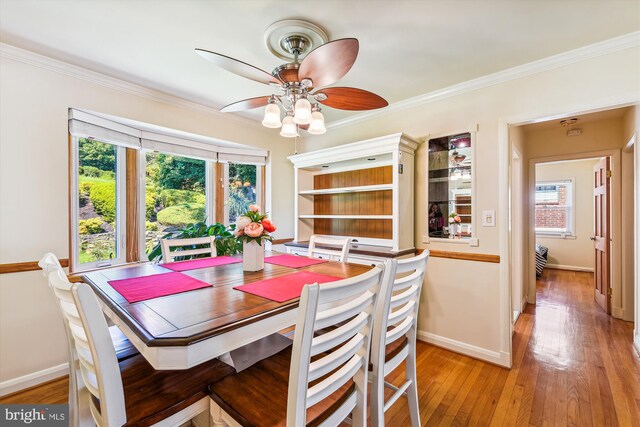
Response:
column 556, row 236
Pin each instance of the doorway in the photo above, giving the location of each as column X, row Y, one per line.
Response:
column 592, row 136
column 572, row 213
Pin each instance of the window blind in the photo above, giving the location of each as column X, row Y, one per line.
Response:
column 132, row 134
column 84, row 125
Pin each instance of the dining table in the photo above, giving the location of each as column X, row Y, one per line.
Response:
column 182, row 330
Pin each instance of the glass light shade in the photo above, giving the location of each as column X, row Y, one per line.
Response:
column 317, row 124
column 289, row 128
column 302, row 114
column 272, row 116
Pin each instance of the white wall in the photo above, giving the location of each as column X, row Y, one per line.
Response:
column 480, row 288
column 572, row 253
column 34, row 190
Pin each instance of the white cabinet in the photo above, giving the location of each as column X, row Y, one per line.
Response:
column 364, row 190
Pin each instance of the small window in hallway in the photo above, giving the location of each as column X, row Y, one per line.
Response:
column 553, row 207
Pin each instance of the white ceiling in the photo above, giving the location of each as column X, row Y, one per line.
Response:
column 407, row 47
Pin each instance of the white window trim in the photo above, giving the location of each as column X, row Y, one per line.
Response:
column 121, row 224
column 570, row 232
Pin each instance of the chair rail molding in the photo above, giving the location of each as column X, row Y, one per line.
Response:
column 19, row 267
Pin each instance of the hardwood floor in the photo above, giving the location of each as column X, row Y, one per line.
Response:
column 573, row 366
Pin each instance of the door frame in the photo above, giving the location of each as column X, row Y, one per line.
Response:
column 504, row 188
column 615, row 221
column 516, row 217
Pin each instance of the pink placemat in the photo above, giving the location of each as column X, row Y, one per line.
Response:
column 293, row 261
column 194, row 264
column 154, row 286
column 284, row 288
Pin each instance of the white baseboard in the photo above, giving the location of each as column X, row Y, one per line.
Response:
column 500, row 358
column 617, row 312
column 33, row 379
column 569, row 267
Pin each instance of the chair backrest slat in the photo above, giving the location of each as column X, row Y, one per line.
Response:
column 189, row 247
column 343, row 312
column 338, row 335
column 340, row 355
column 336, row 359
column 334, row 246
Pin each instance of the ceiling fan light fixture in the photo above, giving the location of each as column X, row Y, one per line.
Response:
column 317, row 123
column 302, row 110
column 272, row 116
column 289, row 128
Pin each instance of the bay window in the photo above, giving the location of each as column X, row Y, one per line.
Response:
column 132, row 183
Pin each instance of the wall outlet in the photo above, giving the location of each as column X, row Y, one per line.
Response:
column 474, row 242
column 488, row 218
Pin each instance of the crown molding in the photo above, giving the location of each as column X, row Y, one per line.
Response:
column 584, row 53
column 74, row 71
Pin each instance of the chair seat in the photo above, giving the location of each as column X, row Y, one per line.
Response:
column 257, row 396
column 124, row 348
column 151, row 396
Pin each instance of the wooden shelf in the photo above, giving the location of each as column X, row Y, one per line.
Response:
column 345, row 216
column 341, row 190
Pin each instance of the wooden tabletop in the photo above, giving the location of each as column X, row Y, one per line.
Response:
column 189, row 317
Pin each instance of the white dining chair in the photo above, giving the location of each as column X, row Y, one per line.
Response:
column 188, row 247
column 394, row 338
column 130, row 392
column 322, row 378
column 123, row 347
column 328, row 247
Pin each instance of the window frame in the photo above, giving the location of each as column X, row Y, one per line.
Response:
column 209, row 192
column 121, row 209
column 570, row 231
column 225, row 188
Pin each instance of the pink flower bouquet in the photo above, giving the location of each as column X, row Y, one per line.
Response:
column 254, row 225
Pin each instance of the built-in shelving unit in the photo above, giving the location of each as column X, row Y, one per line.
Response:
column 363, row 190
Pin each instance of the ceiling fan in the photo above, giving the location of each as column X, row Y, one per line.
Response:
column 302, row 83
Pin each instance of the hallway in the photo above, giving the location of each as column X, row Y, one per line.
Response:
column 572, row 366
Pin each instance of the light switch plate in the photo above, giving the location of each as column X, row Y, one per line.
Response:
column 425, row 238
column 488, row 218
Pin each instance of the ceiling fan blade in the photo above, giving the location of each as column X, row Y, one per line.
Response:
column 350, row 98
column 238, row 67
column 246, row 104
column 326, row 64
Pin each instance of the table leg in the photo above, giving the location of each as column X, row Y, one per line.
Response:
column 216, row 415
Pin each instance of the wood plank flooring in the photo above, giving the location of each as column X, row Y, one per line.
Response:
column 573, row 366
